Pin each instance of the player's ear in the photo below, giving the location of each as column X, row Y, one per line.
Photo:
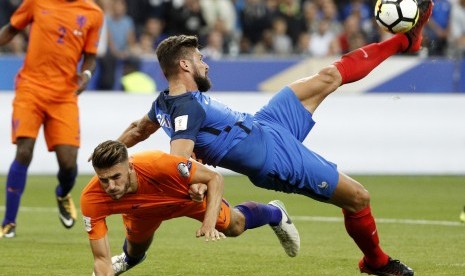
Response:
column 130, row 163
column 184, row 64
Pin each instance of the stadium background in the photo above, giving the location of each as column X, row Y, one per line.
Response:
column 401, row 74
column 404, row 118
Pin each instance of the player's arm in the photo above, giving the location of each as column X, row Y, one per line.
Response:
column 102, row 260
column 185, row 148
column 87, row 68
column 182, row 147
column 7, row 33
column 187, row 121
column 138, row 131
column 215, row 189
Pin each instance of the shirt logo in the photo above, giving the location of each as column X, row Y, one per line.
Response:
column 87, row 224
column 80, row 21
column 184, row 169
column 163, row 120
column 365, row 54
column 136, row 206
column 323, row 185
column 180, row 122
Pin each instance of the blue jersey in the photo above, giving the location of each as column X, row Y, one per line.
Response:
column 213, row 126
column 267, row 146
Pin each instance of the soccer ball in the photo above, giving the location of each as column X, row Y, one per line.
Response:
column 396, row 16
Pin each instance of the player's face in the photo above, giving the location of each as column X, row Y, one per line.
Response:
column 115, row 181
column 201, row 72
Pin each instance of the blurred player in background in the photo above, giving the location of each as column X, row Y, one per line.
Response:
column 462, row 215
column 47, row 86
column 267, row 147
column 151, row 187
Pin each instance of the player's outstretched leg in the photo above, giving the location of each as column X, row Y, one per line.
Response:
column 287, row 233
column 120, row 264
column 8, row 230
column 359, row 63
column 392, row 268
column 415, row 36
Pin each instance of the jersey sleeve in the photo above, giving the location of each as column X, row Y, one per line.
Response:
column 152, row 114
column 96, row 227
column 187, row 119
column 180, row 169
column 169, row 170
column 23, row 15
column 93, row 212
column 93, row 35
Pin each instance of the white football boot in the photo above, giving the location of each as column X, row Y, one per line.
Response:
column 287, row 233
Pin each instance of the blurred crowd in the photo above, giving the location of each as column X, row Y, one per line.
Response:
column 225, row 28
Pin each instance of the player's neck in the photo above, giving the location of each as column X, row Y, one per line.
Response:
column 133, row 182
column 178, row 87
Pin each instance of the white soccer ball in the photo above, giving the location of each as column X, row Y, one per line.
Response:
column 396, row 16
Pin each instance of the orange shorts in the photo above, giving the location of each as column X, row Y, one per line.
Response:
column 60, row 118
column 140, row 228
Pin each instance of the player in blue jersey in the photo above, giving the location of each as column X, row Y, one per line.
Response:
column 267, row 146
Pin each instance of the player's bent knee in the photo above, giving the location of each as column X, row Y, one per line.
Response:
column 331, row 76
column 24, row 155
column 350, row 194
column 362, row 200
column 357, row 201
column 237, row 225
column 233, row 230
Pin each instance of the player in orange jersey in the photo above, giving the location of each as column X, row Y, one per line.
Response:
column 47, row 86
column 151, row 187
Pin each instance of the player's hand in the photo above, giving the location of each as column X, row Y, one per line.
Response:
column 197, row 192
column 210, row 234
column 83, row 81
column 193, row 156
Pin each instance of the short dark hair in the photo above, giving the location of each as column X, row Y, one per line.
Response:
column 108, row 154
column 173, row 49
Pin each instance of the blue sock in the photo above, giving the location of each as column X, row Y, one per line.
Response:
column 15, row 183
column 258, row 214
column 66, row 180
column 132, row 261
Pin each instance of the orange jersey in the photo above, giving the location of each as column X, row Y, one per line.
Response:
column 60, row 32
column 162, row 194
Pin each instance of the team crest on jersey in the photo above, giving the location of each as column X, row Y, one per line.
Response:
column 164, row 120
column 81, row 21
column 184, row 169
column 87, row 224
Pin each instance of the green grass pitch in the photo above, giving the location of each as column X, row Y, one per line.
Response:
column 417, row 220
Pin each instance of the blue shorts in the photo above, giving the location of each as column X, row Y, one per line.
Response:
column 289, row 165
